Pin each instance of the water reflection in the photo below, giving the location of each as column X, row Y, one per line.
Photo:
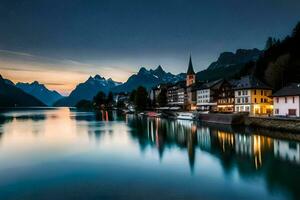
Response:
column 247, row 163
column 253, row 155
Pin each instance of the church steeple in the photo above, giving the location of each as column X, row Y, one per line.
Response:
column 190, row 70
column 190, row 75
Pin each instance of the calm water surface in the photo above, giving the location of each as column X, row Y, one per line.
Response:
column 64, row 154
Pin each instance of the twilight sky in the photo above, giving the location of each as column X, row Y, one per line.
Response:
column 62, row 42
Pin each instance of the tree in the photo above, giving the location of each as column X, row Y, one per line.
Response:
column 274, row 74
column 120, row 104
column 269, row 43
column 99, row 100
column 132, row 96
column 162, row 97
column 296, row 31
column 141, row 98
column 84, row 105
column 110, row 99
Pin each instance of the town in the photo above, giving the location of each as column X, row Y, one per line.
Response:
column 224, row 101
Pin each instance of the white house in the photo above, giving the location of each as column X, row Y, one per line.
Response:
column 287, row 101
column 207, row 97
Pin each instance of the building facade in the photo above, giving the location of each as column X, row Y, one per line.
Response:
column 287, row 101
column 207, row 94
column 253, row 96
column 225, row 97
column 176, row 94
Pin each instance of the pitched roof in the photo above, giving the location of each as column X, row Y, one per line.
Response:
column 250, row 82
column 190, row 70
column 290, row 90
column 209, row 84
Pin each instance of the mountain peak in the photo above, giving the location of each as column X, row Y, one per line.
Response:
column 97, row 76
column 35, row 83
column 142, row 70
column 159, row 68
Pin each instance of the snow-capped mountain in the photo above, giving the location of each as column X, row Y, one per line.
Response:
column 148, row 79
column 88, row 90
column 39, row 91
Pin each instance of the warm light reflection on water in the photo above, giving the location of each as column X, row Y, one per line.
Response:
column 65, row 154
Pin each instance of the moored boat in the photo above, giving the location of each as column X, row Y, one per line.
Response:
column 185, row 115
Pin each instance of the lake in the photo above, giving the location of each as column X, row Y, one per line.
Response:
column 66, row 154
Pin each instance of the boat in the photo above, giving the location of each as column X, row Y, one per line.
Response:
column 153, row 114
column 185, row 116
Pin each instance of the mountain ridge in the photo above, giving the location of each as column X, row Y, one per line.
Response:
column 87, row 90
column 11, row 96
column 40, row 91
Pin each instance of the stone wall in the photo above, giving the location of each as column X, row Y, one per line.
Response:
column 274, row 123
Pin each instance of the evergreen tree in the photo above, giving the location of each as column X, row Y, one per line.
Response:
column 99, row 100
column 141, row 98
column 132, row 96
column 296, row 31
column 269, row 43
column 110, row 98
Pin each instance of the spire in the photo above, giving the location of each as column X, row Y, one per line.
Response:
column 190, row 70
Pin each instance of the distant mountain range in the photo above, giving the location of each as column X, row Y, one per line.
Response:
column 11, row 96
column 88, row 90
column 148, row 79
column 229, row 59
column 39, row 91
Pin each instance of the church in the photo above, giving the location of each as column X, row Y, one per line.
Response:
column 191, row 87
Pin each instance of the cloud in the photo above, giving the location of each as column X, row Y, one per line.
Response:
column 16, row 53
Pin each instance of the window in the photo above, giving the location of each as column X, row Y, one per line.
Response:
column 285, row 99
column 277, row 111
column 247, row 108
column 239, row 93
column 277, row 100
column 246, row 99
column 261, row 100
column 292, row 112
column 293, row 99
column 254, row 92
column 254, row 100
column 261, row 92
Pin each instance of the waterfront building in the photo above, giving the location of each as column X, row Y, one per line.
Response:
column 287, row 101
column 225, row 97
column 253, row 96
column 176, row 94
column 183, row 93
column 207, row 94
